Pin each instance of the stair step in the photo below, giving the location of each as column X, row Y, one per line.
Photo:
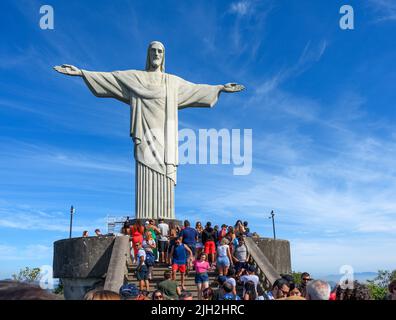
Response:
column 161, row 276
column 158, row 276
column 189, row 283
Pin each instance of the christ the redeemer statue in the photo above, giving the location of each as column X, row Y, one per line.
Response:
column 154, row 98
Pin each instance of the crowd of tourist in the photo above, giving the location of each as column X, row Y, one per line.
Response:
column 198, row 252
column 186, row 249
column 222, row 250
column 283, row 289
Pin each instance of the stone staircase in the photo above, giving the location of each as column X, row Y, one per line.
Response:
column 158, row 276
column 264, row 269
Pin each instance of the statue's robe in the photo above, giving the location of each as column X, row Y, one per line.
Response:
column 154, row 99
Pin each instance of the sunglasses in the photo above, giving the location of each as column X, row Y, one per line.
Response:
column 306, row 279
column 157, row 297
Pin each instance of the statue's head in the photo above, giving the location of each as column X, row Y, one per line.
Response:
column 155, row 56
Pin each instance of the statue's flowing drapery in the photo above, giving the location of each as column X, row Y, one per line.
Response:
column 154, row 99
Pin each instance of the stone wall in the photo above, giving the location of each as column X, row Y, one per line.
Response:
column 82, row 263
column 277, row 252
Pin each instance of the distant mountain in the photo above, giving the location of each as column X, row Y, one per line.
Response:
column 362, row 277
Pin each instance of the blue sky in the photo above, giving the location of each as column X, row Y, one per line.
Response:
column 320, row 102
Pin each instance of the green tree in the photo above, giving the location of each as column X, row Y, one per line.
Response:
column 27, row 275
column 379, row 286
column 297, row 277
column 59, row 289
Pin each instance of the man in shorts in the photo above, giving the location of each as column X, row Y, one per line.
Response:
column 189, row 237
column 179, row 255
column 240, row 256
column 209, row 241
column 163, row 241
column 142, row 273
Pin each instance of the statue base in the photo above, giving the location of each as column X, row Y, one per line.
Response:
column 174, row 221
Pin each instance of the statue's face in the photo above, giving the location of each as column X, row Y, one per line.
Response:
column 156, row 55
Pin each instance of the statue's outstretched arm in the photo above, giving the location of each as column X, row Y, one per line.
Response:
column 101, row 84
column 232, row 87
column 69, row 70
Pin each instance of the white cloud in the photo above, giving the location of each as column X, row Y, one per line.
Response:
column 25, row 217
column 240, row 8
column 323, row 257
column 312, row 54
column 248, row 31
column 29, row 253
column 49, row 155
column 385, row 9
column 268, row 89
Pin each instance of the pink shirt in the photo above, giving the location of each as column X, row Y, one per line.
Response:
column 201, row 267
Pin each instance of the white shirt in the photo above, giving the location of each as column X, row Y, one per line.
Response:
column 164, row 228
column 231, row 281
column 222, row 250
column 141, row 253
column 147, row 245
column 250, row 277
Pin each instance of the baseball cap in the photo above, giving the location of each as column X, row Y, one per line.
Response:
column 221, row 279
column 251, row 268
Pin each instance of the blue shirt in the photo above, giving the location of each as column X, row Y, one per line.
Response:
column 231, row 296
column 179, row 255
column 189, row 235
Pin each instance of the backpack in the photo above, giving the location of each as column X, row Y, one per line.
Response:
column 129, row 290
column 150, row 259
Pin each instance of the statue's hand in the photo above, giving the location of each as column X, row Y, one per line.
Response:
column 68, row 70
column 233, row 87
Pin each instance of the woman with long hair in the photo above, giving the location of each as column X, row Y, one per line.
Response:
column 201, row 274
column 207, row 294
column 154, row 232
column 149, row 246
column 232, row 239
column 157, row 295
column 173, row 233
column 137, row 231
column 239, row 229
column 224, row 259
column 250, row 291
column 199, row 245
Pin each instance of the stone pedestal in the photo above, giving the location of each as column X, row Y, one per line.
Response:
column 82, row 263
column 277, row 252
column 175, row 221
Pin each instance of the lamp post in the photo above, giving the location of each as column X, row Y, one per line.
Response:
column 72, row 211
column 273, row 222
